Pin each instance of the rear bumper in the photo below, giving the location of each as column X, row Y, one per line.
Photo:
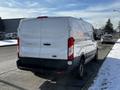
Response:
column 37, row 64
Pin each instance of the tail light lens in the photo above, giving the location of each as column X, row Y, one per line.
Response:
column 71, row 48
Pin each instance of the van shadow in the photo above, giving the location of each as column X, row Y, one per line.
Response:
column 67, row 81
column 61, row 82
column 112, row 43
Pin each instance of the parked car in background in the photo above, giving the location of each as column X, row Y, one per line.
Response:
column 55, row 44
column 107, row 38
column 12, row 35
column 8, row 35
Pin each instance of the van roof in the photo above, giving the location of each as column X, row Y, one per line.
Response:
column 70, row 17
column 52, row 17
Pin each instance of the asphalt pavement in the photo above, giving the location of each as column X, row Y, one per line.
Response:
column 12, row 78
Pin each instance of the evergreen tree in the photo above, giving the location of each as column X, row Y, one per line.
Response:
column 108, row 27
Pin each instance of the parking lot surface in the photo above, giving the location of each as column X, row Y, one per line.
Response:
column 13, row 79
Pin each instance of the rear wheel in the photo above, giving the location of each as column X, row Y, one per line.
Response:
column 96, row 56
column 80, row 69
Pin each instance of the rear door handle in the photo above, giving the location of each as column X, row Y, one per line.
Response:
column 47, row 44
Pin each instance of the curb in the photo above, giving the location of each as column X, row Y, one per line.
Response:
column 8, row 45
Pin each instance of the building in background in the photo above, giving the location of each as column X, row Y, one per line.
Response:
column 10, row 31
column 11, row 25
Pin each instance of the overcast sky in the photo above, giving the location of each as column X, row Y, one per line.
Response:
column 96, row 12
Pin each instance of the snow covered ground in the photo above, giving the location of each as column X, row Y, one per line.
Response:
column 8, row 42
column 108, row 77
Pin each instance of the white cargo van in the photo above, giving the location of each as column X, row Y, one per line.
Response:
column 55, row 43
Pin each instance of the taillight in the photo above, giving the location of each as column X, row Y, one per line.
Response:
column 18, row 41
column 71, row 48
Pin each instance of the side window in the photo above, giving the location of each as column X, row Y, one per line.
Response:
column 90, row 33
column 89, row 36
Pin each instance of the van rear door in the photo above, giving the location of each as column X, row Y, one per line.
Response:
column 44, row 38
column 54, row 38
column 29, row 38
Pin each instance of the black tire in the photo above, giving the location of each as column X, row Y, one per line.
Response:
column 96, row 56
column 80, row 69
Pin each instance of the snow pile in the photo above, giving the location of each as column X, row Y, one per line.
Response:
column 8, row 42
column 108, row 77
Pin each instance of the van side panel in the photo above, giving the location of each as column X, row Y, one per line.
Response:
column 82, row 33
column 77, row 31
